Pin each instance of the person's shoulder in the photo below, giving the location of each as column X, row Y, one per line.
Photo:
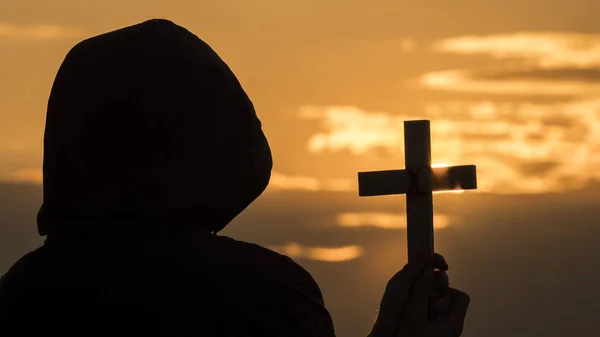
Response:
column 266, row 264
column 25, row 273
column 292, row 302
column 25, row 264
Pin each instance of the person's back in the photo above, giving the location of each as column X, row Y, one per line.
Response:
column 178, row 284
column 151, row 147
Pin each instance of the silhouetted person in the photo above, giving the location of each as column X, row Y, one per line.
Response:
column 151, row 147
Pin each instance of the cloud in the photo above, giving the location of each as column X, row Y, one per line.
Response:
column 527, row 146
column 384, row 220
column 408, row 45
column 279, row 181
column 355, row 130
column 394, row 46
column 524, row 64
column 348, row 128
column 283, row 182
column 517, row 147
column 37, row 32
column 562, row 74
column 18, row 163
column 520, row 147
column 27, row 175
column 546, row 50
column 473, row 82
column 326, row 254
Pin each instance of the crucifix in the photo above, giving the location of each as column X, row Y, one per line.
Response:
column 418, row 181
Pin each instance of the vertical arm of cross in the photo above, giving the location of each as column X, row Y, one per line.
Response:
column 419, row 206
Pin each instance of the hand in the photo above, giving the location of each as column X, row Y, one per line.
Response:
column 418, row 302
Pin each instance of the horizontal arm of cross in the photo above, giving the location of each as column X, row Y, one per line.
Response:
column 374, row 183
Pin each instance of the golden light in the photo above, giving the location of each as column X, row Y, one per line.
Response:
column 283, row 182
column 384, row 220
column 27, row 175
column 335, row 254
column 38, row 32
column 326, row 254
column 438, row 165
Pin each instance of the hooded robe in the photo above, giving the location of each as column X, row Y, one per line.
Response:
column 151, row 147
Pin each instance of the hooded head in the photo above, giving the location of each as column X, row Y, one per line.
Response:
column 148, row 124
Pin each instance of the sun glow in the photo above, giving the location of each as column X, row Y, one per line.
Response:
column 438, row 165
column 325, row 254
column 384, row 220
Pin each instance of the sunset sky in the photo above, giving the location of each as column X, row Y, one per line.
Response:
column 510, row 86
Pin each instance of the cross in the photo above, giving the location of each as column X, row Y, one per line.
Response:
column 418, row 181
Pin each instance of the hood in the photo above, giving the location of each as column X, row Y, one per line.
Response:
column 147, row 124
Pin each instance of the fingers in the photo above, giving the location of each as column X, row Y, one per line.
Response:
column 408, row 293
column 440, row 305
column 441, row 282
column 439, row 300
column 460, row 304
column 439, row 262
column 457, row 311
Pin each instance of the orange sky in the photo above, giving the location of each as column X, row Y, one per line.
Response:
column 333, row 81
column 511, row 86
